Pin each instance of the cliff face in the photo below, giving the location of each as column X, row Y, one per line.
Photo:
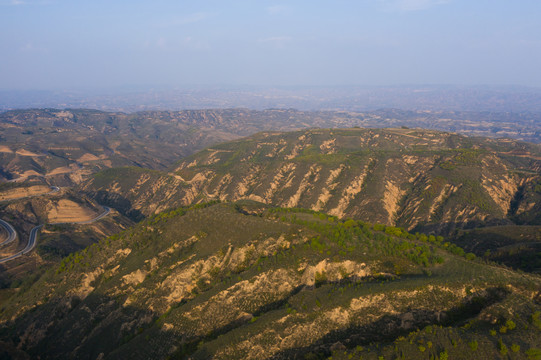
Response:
column 409, row 178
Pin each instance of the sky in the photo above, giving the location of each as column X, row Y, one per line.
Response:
column 80, row 44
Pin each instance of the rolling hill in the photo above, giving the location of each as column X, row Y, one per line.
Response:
column 416, row 179
column 302, row 244
column 66, row 146
column 245, row 280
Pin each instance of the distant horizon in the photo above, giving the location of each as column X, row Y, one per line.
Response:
column 61, row 44
column 133, row 98
column 192, row 87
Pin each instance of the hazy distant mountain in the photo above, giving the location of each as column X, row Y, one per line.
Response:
column 344, row 98
column 71, row 144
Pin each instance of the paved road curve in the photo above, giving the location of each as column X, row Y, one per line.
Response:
column 29, row 247
column 32, row 239
column 12, row 234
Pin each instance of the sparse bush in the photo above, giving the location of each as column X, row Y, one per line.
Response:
column 535, row 319
column 502, row 347
column 510, row 324
column 202, row 284
column 200, row 235
column 444, row 355
column 447, row 165
column 533, row 354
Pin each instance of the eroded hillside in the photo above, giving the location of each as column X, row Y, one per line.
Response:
column 68, row 145
column 404, row 177
column 244, row 280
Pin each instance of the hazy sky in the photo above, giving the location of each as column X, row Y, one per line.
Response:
column 55, row 44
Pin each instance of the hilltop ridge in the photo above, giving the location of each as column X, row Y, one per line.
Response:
column 417, row 179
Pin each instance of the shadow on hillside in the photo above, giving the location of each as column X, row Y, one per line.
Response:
column 390, row 327
column 516, row 246
column 72, row 327
column 117, row 202
column 101, row 324
column 450, row 228
column 190, row 347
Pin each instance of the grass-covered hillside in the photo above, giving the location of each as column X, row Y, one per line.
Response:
column 245, row 280
column 417, row 179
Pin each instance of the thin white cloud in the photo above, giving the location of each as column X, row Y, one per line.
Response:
column 24, row 2
column 186, row 19
column 161, row 43
column 530, row 42
column 276, row 41
column 278, row 10
column 190, row 42
column 172, row 44
column 411, row 5
column 195, row 17
column 30, row 47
